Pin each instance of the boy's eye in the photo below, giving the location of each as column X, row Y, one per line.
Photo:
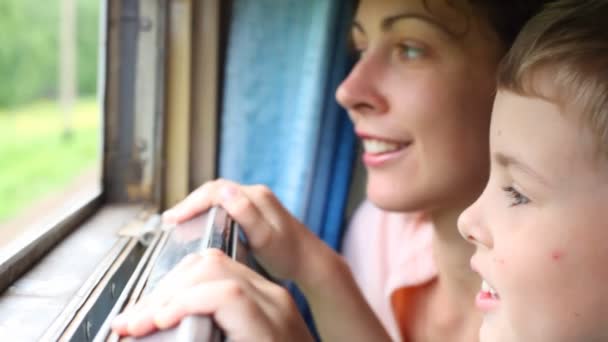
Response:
column 408, row 51
column 516, row 197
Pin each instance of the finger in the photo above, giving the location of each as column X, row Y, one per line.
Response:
column 191, row 270
column 119, row 324
column 138, row 319
column 276, row 302
column 284, row 223
column 220, row 267
column 262, row 315
column 132, row 320
column 179, row 274
column 244, row 210
column 288, row 237
column 268, row 204
column 216, row 265
column 197, row 202
column 243, row 320
column 195, row 268
column 208, row 299
column 210, row 265
column 280, row 311
column 141, row 325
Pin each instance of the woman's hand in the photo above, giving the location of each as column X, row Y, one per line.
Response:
column 281, row 244
column 243, row 304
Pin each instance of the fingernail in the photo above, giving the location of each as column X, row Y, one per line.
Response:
column 229, row 192
column 212, row 253
column 161, row 320
column 142, row 322
column 119, row 322
column 169, row 216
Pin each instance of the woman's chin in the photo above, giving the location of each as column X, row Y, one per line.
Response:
column 393, row 198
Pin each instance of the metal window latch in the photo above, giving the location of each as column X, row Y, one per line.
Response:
column 222, row 233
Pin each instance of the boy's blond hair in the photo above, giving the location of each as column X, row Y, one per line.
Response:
column 562, row 55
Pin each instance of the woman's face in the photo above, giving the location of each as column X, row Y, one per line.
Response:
column 420, row 98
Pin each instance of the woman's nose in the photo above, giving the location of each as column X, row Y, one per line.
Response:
column 472, row 226
column 360, row 92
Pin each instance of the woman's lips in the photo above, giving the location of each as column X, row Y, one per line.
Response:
column 378, row 152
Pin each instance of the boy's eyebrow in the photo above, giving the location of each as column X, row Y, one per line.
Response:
column 506, row 161
column 388, row 22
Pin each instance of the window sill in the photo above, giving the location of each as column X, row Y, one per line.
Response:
column 38, row 298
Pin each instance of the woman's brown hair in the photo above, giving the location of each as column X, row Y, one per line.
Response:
column 508, row 17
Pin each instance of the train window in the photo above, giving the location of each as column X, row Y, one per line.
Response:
column 50, row 122
column 136, row 103
column 108, row 115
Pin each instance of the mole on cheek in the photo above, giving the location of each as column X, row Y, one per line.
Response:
column 556, row 255
column 499, row 261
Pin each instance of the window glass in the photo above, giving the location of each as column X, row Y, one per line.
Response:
column 50, row 120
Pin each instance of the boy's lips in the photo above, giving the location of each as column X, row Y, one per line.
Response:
column 487, row 298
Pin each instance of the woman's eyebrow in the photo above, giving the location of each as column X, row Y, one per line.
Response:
column 388, row 22
column 358, row 27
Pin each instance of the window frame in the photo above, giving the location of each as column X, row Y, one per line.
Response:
column 157, row 144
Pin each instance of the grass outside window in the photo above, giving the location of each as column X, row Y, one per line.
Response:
column 36, row 159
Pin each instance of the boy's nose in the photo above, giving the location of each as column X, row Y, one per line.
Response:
column 360, row 93
column 472, row 227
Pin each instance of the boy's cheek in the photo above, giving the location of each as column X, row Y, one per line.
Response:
column 522, row 266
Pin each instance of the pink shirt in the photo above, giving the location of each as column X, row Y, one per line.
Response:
column 388, row 251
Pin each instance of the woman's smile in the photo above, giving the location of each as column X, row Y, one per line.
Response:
column 378, row 153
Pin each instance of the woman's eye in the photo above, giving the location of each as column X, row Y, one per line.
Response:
column 359, row 52
column 358, row 49
column 516, row 197
column 410, row 52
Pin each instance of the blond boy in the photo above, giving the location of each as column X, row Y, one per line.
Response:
column 541, row 224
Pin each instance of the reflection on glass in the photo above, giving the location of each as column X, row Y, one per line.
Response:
column 49, row 113
column 211, row 229
column 184, row 239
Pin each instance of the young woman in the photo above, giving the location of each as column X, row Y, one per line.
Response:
column 420, row 99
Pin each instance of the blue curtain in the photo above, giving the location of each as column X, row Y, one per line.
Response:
column 280, row 124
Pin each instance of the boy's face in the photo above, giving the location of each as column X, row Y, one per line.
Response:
column 541, row 227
